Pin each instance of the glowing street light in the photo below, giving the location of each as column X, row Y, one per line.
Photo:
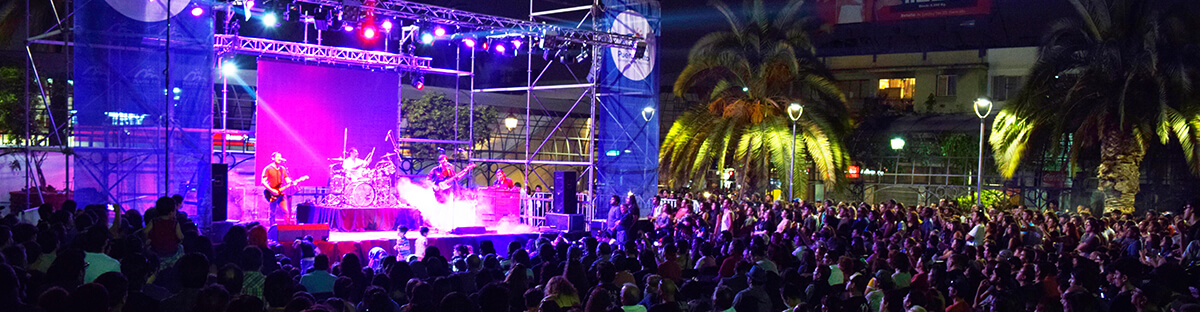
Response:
column 794, row 112
column 897, row 143
column 647, row 113
column 983, row 108
column 510, row 122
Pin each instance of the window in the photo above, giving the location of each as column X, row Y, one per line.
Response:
column 947, row 85
column 1005, row 87
column 897, row 88
column 857, row 89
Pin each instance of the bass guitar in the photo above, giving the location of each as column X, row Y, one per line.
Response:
column 447, row 183
column 272, row 197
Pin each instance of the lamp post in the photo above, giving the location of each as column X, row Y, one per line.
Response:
column 510, row 122
column 794, row 111
column 983, row 108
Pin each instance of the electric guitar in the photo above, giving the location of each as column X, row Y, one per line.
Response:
column 447, row 183
column 272, row 197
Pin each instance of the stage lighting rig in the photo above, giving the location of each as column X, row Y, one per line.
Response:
column 418, row 81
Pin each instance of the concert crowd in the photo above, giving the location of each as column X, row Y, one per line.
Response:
column 691, row 253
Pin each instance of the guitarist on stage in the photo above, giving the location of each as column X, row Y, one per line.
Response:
column 275, row 178
column 445, row 178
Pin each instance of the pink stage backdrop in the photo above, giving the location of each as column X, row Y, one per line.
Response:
column 303, row 111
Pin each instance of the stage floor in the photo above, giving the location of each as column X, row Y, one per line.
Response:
column 362, row 242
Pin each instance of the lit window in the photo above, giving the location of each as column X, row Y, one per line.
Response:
column 898, row 88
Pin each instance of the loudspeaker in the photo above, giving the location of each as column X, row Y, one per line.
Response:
column 220, row 192
column 286, row 233
column 304, row 213
column 565, row 222
column 469, row 230
column 564, row 192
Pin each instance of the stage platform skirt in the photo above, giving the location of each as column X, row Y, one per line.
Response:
column 359, row 219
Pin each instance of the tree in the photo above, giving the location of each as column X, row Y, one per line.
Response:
column 1118, row 75
column 748, row 76
column 432, row 117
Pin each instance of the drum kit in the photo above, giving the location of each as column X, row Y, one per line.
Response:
column 365, row 186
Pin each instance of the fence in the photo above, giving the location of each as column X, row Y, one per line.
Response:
column 534, row 207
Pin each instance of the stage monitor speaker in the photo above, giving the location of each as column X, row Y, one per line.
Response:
column 469, row 230
column 304, row 213
column 286, row 233
column 566, row 222
column 220, row 192
column 564, row 192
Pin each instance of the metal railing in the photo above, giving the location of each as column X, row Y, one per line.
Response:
column 534, row 207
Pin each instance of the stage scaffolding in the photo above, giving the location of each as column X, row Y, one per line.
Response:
column 543, row 151
column 547, row 150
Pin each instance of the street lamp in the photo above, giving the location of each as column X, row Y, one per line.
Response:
column 794, row 111
column 510, row 122
column 897, row 143
column 983, row 108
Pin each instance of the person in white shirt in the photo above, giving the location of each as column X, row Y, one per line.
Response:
column 95, row 241
column 977, row 234
column 421, row 243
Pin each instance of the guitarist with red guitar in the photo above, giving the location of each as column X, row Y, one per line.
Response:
column 276, row 181
column 445, row 178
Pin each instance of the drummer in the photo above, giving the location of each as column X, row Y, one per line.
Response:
column 354, row 166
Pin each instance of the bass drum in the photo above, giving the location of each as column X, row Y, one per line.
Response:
column 360, row 194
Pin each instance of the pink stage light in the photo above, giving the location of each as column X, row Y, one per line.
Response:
column 516, row 44
column 439, row 31
column 470, row 43
column 387, row 25
column 369, row 32
column 500, row 48
column 197, row 11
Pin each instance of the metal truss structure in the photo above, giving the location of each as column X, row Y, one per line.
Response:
column 224, row 44
column 436, row 14
column 545, row 131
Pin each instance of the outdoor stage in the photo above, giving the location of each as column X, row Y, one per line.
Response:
column 361, row 242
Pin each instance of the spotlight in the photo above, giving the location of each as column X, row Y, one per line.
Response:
column 581, row 57
column 348, row 27
column 516, row 43
column 426, row 38
column 368, row 32
column 500, row 48
column 197, row 11
column 418, row 81
column 229, row 68
column 469, row 42
column 270, row 20
column 387, row 26
column 439, row 32
column 176, row 90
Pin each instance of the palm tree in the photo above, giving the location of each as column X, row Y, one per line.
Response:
column 1120, row 75
column 748, row 76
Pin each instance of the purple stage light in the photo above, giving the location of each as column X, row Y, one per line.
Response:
column 387, row 25
column 470, row 43
column 439, row 32
column 500, row 48
column 348, row 28
column 516, row 44
column 197, row 11
column 368, row 32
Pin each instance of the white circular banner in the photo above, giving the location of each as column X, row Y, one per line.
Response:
column 633, row 24
column 148, row 10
